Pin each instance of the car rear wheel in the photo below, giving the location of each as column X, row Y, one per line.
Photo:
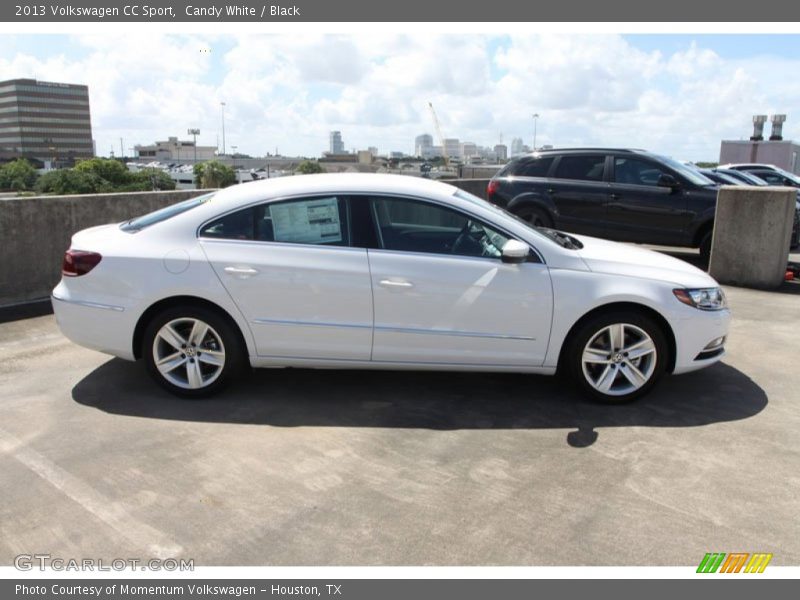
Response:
column 617, row 357
column 191, row 351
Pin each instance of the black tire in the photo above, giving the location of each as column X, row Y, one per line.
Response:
column 705, row 246
column 573, row 365
column 221, row 344
column 537, row 217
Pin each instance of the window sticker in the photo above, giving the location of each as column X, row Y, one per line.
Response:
column 307, row 222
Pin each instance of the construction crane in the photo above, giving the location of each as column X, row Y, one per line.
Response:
column 440, row 136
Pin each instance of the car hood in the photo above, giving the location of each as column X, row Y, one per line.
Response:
column 602, row 256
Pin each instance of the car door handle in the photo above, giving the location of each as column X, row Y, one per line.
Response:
column 615, row 196
column 395, row 284
column 550, row 190
column 241, row 271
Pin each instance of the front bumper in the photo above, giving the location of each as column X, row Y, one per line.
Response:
column 694, row 331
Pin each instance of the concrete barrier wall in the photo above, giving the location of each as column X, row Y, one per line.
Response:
column 476, row 187
column 35, row 232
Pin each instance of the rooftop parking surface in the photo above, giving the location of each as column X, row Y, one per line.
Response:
column 356, row 467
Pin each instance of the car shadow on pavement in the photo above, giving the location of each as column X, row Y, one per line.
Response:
column 425, row 400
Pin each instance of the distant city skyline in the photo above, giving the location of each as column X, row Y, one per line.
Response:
column 675, row 94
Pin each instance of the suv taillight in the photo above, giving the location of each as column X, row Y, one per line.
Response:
column 79, row 262
column 491, row 189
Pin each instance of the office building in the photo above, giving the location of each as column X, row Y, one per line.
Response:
column 336, row 145
column 174, row 149
column 46, row 122
column 423, row 145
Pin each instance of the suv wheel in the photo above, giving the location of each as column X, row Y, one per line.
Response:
column 705, row 246
column 535, row 217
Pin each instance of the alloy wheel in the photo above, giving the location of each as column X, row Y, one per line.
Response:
column 619, row 359
column 189, row 353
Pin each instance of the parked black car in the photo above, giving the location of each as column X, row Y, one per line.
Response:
column 618, row 194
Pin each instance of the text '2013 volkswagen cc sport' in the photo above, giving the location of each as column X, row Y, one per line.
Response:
column 385, row 272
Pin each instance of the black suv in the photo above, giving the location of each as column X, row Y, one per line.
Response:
column 623, row 195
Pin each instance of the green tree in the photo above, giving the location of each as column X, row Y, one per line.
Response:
column 113, row 171
column 72, row 181
column 18, row 175
column 148, row 180
column 309, row 167
column 213, row 174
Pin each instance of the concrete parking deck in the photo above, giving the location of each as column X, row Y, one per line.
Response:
column 325, row 467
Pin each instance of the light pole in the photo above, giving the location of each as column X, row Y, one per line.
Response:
column 535, row 121
column 194, row 133
column 222, row 109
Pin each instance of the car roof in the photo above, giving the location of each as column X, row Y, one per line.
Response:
column 575, row 150
column 266, row 189
column 756, row 165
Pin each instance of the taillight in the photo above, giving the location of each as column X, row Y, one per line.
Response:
column 79, row 262
column 491, row 189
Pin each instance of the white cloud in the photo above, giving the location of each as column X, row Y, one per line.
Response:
column 289, row 91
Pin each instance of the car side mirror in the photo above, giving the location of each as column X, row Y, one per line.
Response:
column 668, row 181
column 515, row 252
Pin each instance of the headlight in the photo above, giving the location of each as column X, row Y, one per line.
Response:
column 703, row 298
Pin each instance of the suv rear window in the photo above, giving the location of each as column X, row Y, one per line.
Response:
column 532, row 166
column 587, row 168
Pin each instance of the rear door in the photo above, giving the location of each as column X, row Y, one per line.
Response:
column 579, row 193
column 639, row 210
column 291, row 270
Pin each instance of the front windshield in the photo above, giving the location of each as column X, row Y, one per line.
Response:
column 790, row 176
column 690, row 173
column 750, row 178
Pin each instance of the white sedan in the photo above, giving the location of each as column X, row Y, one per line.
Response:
column 382, row 272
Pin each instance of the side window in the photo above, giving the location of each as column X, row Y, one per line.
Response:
column 636, row 172
column 770, row 178
column 415, row 226
column 239, row 225
column 321, row 220
column 534, row 167
column 586, row 168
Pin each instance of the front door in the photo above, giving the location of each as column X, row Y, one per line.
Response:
column 442, row 294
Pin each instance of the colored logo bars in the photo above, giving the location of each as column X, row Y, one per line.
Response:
column 734, row 563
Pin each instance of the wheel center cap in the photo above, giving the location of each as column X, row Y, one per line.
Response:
column 190, row 351
column 617, row 358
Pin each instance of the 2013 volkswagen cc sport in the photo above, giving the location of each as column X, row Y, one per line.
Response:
column 385, row 272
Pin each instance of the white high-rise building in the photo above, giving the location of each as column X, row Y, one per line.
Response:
column 517, row 147
column 423, row 145
column 336, row 143
column 452, row 147
column 501, row 151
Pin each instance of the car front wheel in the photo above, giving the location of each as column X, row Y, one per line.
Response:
column 192, row 351
column 617, row 357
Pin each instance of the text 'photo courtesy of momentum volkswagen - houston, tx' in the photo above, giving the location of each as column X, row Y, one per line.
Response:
column 383, row 272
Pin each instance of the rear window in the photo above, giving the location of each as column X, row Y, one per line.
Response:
column 533, row 167
column 587, row 168
column 165, row 213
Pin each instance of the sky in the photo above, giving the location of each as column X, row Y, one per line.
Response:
column 678, row 95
